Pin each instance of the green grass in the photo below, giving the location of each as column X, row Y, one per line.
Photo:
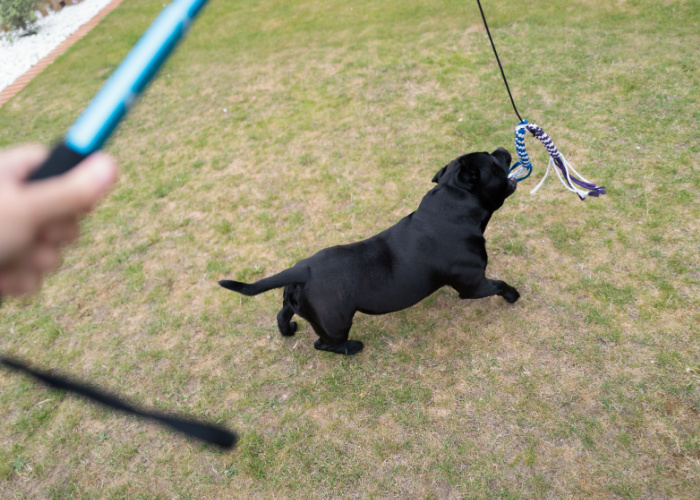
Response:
column 337, row 115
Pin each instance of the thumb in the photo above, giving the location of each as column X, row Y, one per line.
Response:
column 73, row 192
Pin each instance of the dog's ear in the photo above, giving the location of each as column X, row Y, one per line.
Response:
column 440, row 173
column 469, row 173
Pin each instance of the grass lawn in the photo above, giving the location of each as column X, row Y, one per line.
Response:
column 282, row 127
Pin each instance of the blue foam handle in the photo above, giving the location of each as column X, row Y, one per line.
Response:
column 101, row 117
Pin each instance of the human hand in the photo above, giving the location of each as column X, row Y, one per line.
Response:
column 37, row 219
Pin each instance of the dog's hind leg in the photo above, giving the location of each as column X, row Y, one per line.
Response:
column 486, row 288
column 286, row 326
column 349, row 347
column 334, row 338
column 331, row 319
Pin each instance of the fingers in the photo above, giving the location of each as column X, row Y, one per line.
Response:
column 45, row 259
column 41, row 217
column 60, row 232
column 72, row 193
column 24, row 275
column 19, row 284
column 17, row 163
column 19, row 280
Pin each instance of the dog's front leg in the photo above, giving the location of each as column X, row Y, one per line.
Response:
column 487, row 288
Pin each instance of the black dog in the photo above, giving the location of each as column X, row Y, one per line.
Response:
column 441, row 243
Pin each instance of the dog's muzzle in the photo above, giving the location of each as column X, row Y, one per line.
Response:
column 512, row 186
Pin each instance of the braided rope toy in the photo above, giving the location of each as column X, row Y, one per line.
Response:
column 522, row 169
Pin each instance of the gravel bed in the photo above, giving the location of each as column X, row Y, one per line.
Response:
column 19, row 53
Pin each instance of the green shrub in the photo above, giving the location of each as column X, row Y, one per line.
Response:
column 18, row 15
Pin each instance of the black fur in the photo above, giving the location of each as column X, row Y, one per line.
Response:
column 440, row 244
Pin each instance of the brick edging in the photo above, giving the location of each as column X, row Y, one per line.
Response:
column 15, row 87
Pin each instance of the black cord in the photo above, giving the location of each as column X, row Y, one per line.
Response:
column 209, row 433
column 499, row 60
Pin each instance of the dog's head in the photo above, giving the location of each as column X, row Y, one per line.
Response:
column 481, row 174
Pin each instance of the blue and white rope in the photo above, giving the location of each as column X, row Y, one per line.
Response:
column 522, row 169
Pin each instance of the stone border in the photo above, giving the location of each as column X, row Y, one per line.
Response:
column 16, row 87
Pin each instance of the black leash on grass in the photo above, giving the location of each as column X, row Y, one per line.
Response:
column 209, row 433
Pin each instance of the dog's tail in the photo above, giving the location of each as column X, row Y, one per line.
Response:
column 292, row 276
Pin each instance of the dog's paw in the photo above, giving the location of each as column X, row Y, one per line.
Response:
column 290, row 330
column 348, row 347
column 511, row 295
column 353, row 347
column 287, row 330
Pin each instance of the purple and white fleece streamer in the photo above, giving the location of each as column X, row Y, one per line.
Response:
column 565, row 171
